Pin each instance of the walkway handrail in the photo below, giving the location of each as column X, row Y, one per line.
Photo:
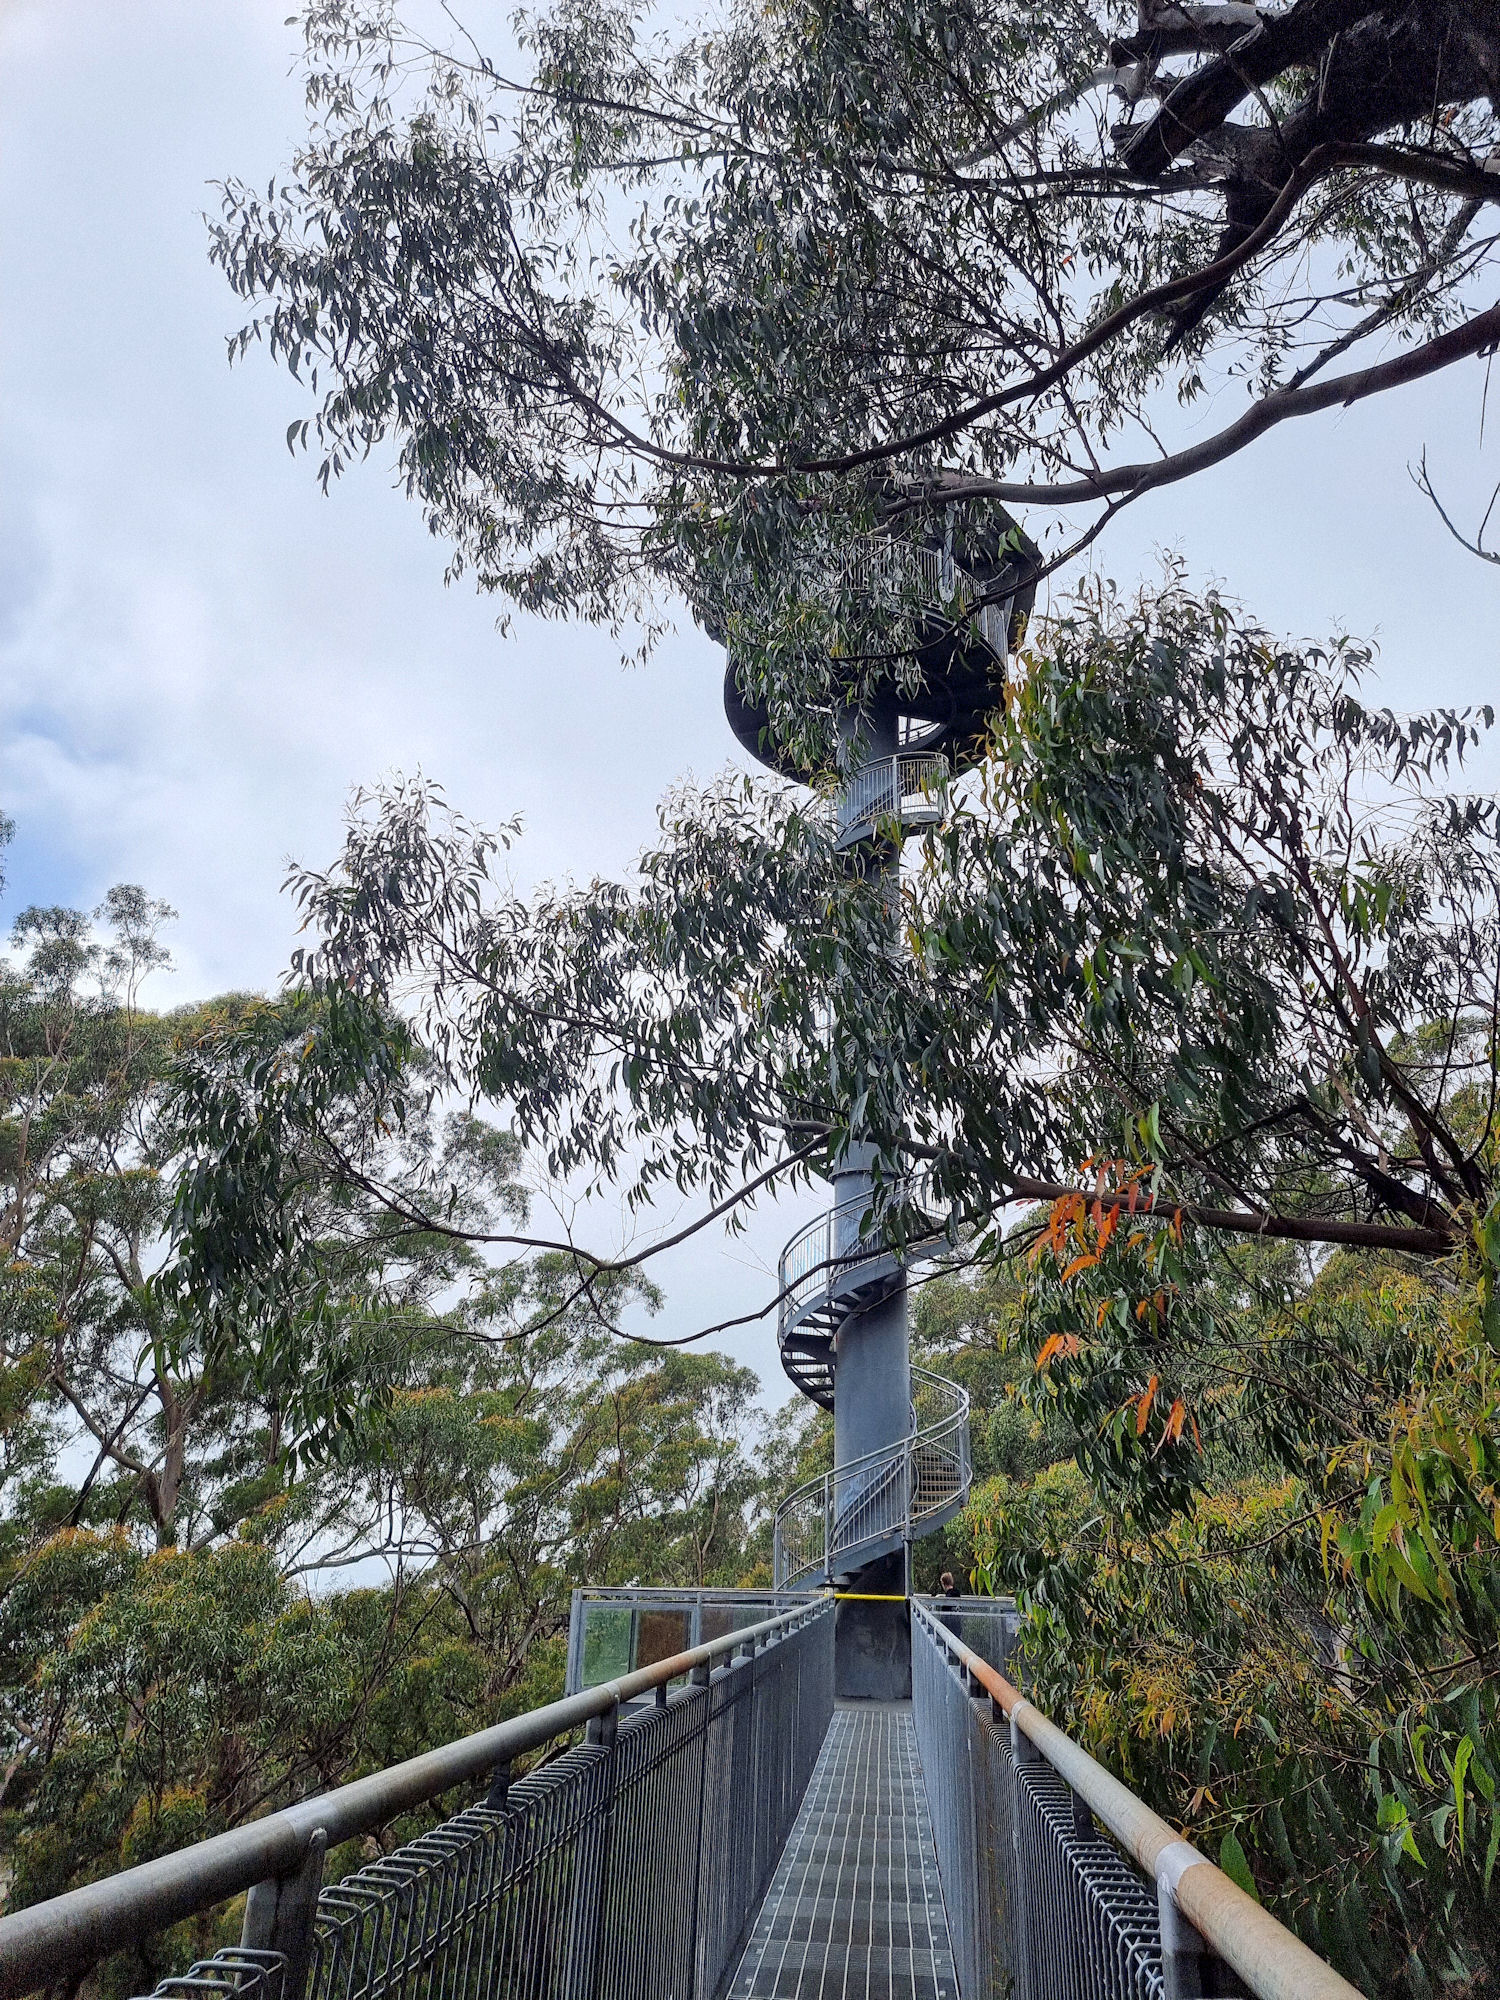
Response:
column 87, row 1923
column 1270, row 1959
column 951, row 1423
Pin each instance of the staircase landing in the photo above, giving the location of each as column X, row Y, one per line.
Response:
column 855, row 1910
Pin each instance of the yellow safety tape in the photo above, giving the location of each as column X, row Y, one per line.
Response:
column 866, row 1597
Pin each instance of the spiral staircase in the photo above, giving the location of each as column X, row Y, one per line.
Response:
column 971, row 593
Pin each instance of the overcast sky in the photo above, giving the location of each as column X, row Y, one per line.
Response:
column 200, row 655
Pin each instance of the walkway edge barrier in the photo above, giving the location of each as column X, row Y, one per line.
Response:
column 1272, row 1961
column 86, row 1924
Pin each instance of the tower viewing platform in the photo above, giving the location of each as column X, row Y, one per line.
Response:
column 901, row 1435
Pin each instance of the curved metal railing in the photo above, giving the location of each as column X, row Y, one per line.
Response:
column 897, row 1494
column 909, row 788
column 893, row 572
column 833, row 1257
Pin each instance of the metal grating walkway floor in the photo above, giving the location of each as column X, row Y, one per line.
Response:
column 855, row 1910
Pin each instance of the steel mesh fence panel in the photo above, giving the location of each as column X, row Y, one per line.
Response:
column 487, row 1900
column 1041, row 1905
column 622, row 1870
column 236, row 1975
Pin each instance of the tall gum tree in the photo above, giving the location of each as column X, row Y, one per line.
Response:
column 644, row 310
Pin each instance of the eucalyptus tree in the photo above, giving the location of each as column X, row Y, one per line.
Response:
column 698, row 308
column 1195, row 1002
column 398, row 1391
column 187, row 1422
column 261, row 1534
column 1203, row 919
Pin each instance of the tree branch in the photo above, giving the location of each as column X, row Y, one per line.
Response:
column 1240, row 1222
column 1475, row 337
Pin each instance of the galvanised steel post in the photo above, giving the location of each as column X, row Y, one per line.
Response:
column 1023, row 1752
column 592, row 1895
column 280, row 1913
column 700, row 1680
column 872, row 1409
column 1188, row 1966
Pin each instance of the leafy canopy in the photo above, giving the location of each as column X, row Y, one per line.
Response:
column 695, row 308
column 1203, row 914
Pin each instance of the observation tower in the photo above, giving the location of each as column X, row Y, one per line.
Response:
column 726, row 1830
column 901, row 1434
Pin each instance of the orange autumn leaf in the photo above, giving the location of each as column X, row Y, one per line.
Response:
column 1173, row 1429
column 1083, row 1263
column 1055, row 1344
column 1143, row 1405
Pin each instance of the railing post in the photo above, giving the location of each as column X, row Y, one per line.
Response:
column 1023, row 1752
column 280, row 1915
column 1187, row 1961
column 700, row 1677
column 590, row 1897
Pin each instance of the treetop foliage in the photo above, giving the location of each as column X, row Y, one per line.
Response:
column 1204, row 919
column 703, row 307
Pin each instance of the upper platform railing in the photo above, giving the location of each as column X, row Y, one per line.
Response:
column 891, row 572
column 907, row 791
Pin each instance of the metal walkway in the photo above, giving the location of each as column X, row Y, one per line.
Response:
column 855, row 1908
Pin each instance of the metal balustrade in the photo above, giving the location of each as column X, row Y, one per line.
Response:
column 893, row 1495
column 842, row 1251
column 908, row 791
column 1061, row 1884
column 633, row 1865
column 626, row 1868
column 893, row 574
